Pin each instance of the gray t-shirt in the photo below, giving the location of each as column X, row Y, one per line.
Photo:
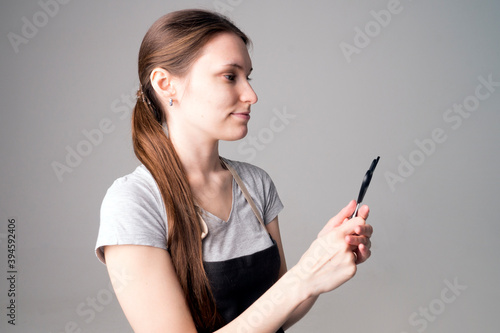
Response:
column 133, row 212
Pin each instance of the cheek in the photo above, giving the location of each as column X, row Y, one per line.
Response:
column 206, row 92
column 226, row 95
column 217, row 96
column 209, row 95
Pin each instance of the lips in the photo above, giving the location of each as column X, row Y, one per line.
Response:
column 244, row 115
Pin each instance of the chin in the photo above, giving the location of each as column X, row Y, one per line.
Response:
column 235, row 135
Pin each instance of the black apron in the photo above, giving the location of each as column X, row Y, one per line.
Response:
column 237, row 283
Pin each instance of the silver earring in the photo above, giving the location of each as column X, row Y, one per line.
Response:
column 170, row 102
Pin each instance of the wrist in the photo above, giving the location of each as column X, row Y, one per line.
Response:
column 295, row 283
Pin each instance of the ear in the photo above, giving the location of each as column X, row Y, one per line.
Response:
column 162, row 83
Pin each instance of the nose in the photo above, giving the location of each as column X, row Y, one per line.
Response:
column 248, row 95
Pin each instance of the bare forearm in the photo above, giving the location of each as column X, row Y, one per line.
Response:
column 300, row 312
column 273, row 309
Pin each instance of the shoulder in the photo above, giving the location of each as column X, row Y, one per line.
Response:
column 261, row 188
column 134, row 195
column 248, row 172
column 132, row 212
column 140, row 183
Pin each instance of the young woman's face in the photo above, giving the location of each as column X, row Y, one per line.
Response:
column 215, row 97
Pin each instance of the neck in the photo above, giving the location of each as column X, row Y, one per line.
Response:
column 199, row 157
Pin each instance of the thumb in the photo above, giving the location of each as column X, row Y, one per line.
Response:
column 338, row 219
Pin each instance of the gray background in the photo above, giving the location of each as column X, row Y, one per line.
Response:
column 438, row 226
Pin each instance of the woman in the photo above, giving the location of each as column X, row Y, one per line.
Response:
column 198, row 234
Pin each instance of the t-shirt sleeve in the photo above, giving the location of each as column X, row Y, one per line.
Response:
column 272, row 202
column 132, row 213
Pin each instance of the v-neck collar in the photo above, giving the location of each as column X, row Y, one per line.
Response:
column 233, row 196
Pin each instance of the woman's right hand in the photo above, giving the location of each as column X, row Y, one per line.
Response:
column 330, row 261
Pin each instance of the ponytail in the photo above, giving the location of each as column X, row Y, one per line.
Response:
column 155, row 150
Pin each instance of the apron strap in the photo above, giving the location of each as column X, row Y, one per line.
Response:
column 245, row 192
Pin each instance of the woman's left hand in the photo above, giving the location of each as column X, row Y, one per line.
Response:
column 360, row 239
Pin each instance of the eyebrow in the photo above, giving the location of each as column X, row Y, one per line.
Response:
column 237, row 66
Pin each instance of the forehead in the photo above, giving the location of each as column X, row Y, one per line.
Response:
column 225, row 48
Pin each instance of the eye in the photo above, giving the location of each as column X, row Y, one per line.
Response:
column 230, row 77
column 249, row 78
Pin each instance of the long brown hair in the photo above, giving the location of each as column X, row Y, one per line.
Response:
column 173, row 43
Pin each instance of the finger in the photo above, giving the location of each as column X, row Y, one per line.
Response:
column 363, row 212
column 352, row 226
column 338, row 219
column 343, row 215
column 363, row 253
column 355, row 240
column 364, row 230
